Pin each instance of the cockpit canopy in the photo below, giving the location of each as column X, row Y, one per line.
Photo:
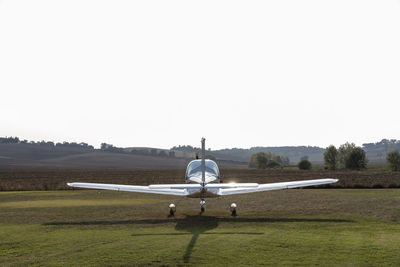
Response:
column 194, row 168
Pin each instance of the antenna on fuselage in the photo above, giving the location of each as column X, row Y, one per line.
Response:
column 203, row 160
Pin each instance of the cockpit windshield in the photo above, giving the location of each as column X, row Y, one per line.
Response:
column 194, row 168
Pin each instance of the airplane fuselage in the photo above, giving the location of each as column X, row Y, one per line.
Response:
column 194, row 176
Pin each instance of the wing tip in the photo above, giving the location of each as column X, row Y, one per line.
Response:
column 334, row 180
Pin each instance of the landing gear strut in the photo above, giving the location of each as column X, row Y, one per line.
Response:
column 233, row 209
column 172, row 209
column 202, row 206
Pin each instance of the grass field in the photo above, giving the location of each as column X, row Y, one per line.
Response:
column 303, row 227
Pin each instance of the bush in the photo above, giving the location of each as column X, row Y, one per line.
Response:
column 304, row 164
column 393, row 160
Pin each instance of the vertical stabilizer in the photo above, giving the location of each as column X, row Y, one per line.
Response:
column 203, row 160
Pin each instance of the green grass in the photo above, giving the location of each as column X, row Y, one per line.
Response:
column 62, row 203
column 331, row 227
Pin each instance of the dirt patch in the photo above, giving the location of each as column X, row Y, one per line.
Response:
column 45, row 179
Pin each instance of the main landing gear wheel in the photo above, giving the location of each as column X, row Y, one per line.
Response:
column 202, row 206
column 233, row 209
column 172, row 209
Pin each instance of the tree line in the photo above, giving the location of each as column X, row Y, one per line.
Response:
column 351, row 157
column 16, row 140
column 263, row 160
column 143, row 151
column 347, row 156
column 103, row 147
column 385, row 144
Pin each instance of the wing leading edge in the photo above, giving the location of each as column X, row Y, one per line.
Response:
column 272, row 186
column 172, row 189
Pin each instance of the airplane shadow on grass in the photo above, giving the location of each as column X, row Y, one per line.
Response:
column 198, row 225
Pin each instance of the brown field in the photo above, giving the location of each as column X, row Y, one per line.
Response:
column 56, row 179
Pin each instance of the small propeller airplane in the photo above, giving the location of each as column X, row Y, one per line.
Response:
column 203, row 181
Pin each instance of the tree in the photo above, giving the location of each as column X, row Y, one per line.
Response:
column 352, row 157
column 330, row 157
column 344, row 152
column 106, row 147
column 273, row 164
column 263, row 160
column 356, row 160
column 103, row 146
column 304, row 164
column 393, row 160
column 9, row 140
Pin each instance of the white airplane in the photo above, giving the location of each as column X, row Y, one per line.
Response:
column 203, row 181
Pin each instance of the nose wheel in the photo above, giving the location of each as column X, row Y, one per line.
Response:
column 202, row 206
column 233, row 209
column 172, row 209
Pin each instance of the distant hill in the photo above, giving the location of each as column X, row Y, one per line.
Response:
column 16, row 153
column 294, row 153
column 376, row 152
column 34, row 155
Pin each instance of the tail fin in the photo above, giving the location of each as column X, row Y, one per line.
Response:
column 203, row 160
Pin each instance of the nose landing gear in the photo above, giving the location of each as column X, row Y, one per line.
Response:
column 233, row 209
column 202, row 206
column 172, row 209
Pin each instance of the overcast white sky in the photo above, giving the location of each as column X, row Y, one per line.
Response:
column 163, row 73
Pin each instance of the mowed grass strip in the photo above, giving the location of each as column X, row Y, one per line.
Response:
column 60, row 203
column 38, row 193
column 283, row 228
column 278, row 244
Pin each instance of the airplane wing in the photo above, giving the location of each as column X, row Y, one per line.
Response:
column 222, row 189
column 163, row 189
column 241, row 188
